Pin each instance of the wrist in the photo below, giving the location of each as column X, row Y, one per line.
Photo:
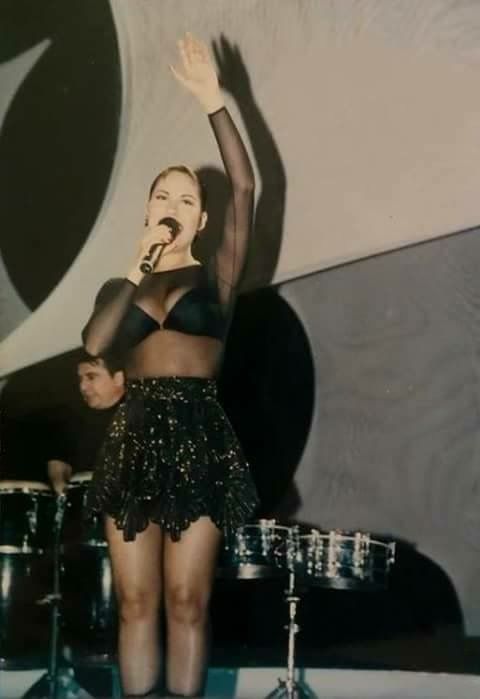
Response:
column 135, row 275
column 212, row 103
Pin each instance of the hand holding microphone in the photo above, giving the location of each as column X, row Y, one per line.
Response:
column 150, row 260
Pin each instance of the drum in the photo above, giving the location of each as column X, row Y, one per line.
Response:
column 26, row 532
column 88, row 602
column 88, row 599
column 25, row 580
column 77, row 527
column 258, row 550
column 342, row 560
column 26, row 517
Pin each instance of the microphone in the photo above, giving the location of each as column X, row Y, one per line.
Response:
column 150, row 260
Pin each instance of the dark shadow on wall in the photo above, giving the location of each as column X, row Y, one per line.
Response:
column 264, row 249
column 419, row 601
column 267, row 388
column 31, row 402
column 266, row 238
column 267, row 382
column 414, row 624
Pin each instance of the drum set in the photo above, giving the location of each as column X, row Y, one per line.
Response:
column 61, row 585
column 305, row 557
column 55, row 582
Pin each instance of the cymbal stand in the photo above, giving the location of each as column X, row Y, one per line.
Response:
column 56, row 683
column 290, row 688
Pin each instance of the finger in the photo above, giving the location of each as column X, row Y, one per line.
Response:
column 164, row 238
column 204, row 51
column 160, row 227
column 156, row 232
column 184, row 55
column 181, row 78
column 199, row 50
column 189, row 45
column 193, row 43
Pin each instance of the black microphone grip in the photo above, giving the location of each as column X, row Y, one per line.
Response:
column 151, row 258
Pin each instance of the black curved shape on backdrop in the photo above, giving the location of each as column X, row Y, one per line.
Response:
column 59, row 137
column 267, row 388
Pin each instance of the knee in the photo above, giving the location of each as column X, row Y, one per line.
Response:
column 136, row 606
column 185, row 606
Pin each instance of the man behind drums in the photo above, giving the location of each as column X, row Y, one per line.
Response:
column 88, row 602
column 102, row 385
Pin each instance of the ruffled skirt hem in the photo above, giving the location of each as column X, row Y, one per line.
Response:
column 170, row 457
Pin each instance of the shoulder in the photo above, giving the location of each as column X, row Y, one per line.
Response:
column 109, row 290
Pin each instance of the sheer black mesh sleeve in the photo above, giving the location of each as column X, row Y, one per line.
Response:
column 115, row 298
column 232, row 252
column 111, row 305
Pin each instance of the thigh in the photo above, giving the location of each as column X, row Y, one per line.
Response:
column 190, row 564
column 136, row 565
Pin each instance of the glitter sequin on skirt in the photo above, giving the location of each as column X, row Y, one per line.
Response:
column 171, row 456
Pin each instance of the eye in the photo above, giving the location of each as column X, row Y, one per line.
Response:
column 189, row 202
column 161, row 195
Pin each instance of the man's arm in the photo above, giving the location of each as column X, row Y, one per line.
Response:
column 59, row 473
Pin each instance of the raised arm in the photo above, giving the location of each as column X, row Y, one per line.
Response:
column 198, row 75
column 232, row 251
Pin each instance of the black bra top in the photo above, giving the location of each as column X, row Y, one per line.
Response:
column 197, row 312
column 204, row 309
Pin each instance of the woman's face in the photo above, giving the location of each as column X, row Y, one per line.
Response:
column 176, row 195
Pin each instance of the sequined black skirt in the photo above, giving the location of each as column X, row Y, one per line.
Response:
column 170, row 456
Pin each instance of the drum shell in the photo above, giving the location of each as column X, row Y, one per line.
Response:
column 26, row 579
column 88, row 599
column 342, row 560
column 257, row 550
column 26, row 520
column 88, row 608
column 78, row 526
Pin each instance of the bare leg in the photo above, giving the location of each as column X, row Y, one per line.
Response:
column 189, row 570
column 137, row 577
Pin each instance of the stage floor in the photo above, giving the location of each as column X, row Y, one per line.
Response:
column 255, row 683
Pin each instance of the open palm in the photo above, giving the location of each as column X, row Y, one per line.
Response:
column 196, row 72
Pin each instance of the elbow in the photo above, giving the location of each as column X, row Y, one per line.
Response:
column 91, row 345
column 94, row 349
column 246, row 186
column 249, row 181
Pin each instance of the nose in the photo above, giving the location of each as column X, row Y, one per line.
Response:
column 172, row 207
column 83, row 387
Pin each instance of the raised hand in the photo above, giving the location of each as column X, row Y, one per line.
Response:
column 197, row 73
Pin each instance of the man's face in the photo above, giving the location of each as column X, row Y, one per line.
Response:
column 99, row 389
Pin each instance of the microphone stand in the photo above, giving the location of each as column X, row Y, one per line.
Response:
column 290, row 688
column 55, row 679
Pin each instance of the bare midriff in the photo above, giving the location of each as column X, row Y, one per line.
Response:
column 172, row 353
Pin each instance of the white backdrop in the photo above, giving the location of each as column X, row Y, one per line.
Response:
column 374, row 106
